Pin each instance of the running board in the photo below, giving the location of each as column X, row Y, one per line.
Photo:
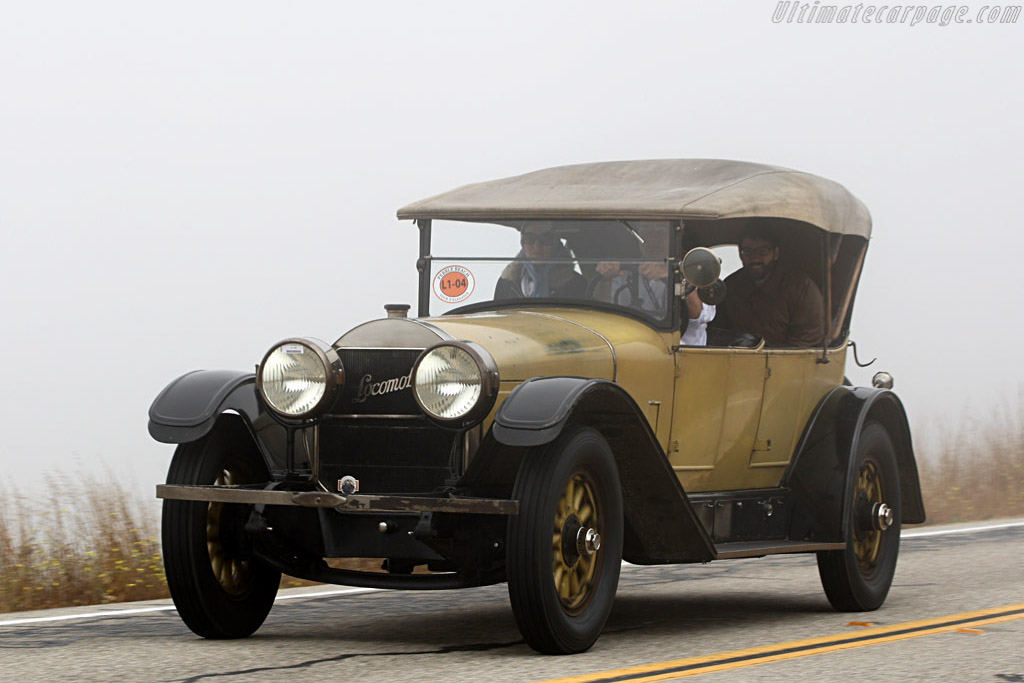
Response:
column 731, row 551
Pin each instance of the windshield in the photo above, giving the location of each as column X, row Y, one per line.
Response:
column 599, row 264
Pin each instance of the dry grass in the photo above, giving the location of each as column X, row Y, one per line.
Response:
column 98, row 545
column 976, row 471
column 105, row 548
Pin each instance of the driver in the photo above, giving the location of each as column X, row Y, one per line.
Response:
column 767, row 298
column 653, row 285
column 533, row 274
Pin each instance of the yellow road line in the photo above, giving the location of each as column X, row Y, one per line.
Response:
column 735, row 659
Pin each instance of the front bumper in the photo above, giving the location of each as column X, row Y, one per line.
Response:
column 350, row 503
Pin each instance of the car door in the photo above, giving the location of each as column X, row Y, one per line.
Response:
column 796, row 382
column 715, row 415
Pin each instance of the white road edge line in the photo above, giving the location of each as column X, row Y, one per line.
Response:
column 168, row 608
column 961, row 530
column 87, row 615
column 351, row 591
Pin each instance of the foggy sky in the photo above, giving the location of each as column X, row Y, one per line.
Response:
column 181, row 187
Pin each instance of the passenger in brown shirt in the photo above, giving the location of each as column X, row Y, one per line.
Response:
column 767, row 298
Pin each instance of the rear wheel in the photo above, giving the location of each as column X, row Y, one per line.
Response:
column 219, row 588
column 858, row 578
column 565, row 545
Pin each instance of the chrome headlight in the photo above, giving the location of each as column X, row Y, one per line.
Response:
column 455, row 383
column 298, row 378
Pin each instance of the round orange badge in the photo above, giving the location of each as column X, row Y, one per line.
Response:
column 453, row 284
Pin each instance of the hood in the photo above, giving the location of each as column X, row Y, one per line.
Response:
column 529, row 344
column 524, row 344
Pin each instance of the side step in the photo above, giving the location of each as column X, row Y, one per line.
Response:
column 730, row 551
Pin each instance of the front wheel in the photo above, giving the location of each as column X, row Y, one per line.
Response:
column 565, row 545
column 857, row 578
column 219, row 588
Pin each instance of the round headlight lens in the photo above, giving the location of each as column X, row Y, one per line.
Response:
column 448, row 382
column 293, row 379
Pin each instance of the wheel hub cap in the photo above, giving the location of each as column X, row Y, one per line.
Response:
column 881, row 516
column 588, row 542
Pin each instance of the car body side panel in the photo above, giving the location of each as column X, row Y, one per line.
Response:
column 661, row 525
column 795, row 383
column 573, row 341
column 644, row 365
column 715, row 415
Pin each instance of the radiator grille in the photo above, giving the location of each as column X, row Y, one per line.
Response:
column 386, row 458
column 377, row 382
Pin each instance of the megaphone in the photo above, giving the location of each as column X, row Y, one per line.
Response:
column 701, row 267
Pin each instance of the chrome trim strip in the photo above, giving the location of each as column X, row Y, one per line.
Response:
column 376, row 417
column 380, row 348
column 440, row 332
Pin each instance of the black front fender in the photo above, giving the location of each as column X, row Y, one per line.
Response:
column 537, row 410
column 188, row 407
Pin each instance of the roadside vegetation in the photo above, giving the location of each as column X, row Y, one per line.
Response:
column 976, row 471
column 101, row 545
column 105, row 547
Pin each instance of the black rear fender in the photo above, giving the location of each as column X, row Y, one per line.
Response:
column 661, row 525
column 821, row 469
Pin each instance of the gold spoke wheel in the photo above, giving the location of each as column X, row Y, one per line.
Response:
column 867, row 543
column 575, row 573
column 231, row 573
column 857, row 578
column 220, row 586
column 565, row 545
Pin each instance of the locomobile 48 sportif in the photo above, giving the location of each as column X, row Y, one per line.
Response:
column 579, row 387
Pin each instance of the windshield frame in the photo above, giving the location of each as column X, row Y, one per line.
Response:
column 669, row 322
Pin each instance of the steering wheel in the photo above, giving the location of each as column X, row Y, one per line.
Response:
column 630, row 271
column 630, row 284
column 592, row 284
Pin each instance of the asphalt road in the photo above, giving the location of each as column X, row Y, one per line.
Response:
column 768, row 607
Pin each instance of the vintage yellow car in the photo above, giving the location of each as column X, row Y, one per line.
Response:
column 559, row 404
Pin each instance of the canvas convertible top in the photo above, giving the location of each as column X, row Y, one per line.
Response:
column 660, row 189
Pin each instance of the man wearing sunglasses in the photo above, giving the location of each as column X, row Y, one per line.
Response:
column 541, row 269
column 767, row 298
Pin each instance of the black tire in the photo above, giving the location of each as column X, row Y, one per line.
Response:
column 218, row 587
column 571, row 484
column 857, row 578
